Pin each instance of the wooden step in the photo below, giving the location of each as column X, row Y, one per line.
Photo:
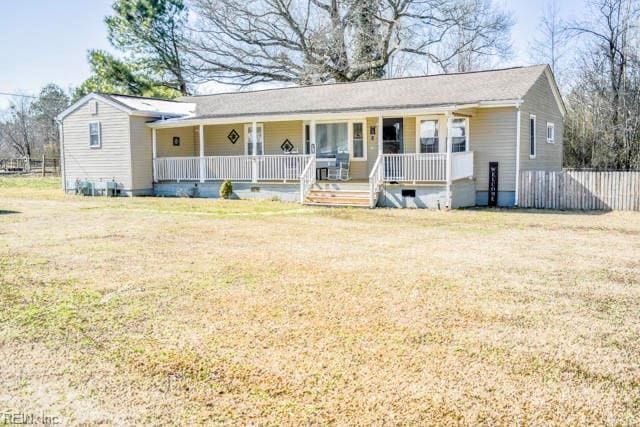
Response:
column 352, row 198
column 341, row 186
column 340, row 193
column 338, row 205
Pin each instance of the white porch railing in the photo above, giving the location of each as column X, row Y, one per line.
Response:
column 415, row 167
column 236, row 168
column 376, row 179
column 461, row 165
column 177, row 168
column 307, row 178
column 431, row 167
column 281, row 167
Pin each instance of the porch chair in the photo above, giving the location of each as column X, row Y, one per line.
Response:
column 341, row 170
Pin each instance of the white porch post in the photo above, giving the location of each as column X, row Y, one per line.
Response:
column 202, row 165
column 449, row 148
column 154, row 152
column 380, row 125
column 254, row 152
column 518, row 124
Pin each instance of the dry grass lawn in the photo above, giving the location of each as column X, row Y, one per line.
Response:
column 131, row 311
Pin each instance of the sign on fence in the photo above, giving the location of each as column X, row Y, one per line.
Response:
column 583, row 190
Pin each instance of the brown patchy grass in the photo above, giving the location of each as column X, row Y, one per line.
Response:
column 130, row 311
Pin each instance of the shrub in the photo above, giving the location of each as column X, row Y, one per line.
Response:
column 226, row 189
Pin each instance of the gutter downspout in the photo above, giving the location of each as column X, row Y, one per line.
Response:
column 518, row 137
column 62, row 159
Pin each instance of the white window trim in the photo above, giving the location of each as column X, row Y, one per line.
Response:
column 246, row 137
column 99, row 145
column 365, row 135
column 551, row 126
column 535, row 136
column 467, row 143
column 364, row 141
column 442, row 132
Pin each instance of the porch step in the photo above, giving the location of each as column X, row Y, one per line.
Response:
column 342, row 185
column 352, row 198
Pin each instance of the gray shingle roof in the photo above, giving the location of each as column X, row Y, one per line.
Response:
column 410, row 92
column 151, row 105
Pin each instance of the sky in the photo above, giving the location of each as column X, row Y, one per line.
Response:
column 44, row 41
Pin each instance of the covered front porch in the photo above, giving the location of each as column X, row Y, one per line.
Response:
column 430, row 148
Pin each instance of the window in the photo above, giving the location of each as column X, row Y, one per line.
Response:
column 176, row 141
column 358, row 140
column 256, row 148
column 532, row 136
column 331, row 139
column 551, row 133
column 429, row 136
column 95, row 138
column 459, row 135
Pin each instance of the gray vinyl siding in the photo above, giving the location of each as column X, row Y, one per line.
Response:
column 540, row 102
column 141, row 154
column 112, row 160
column 492, row 138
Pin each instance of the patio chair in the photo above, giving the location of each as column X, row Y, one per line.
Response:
column 341, row 169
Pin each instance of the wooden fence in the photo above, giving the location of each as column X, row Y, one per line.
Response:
column 37, row 166
column 580, row 190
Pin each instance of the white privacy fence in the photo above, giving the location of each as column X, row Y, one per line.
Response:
column 234, row 168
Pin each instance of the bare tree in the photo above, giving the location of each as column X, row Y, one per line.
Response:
column 18, row 130
column 311, row 41
column 605, row 101
column 550, row 45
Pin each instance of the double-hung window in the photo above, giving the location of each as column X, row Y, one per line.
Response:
column 532, row 136
column 429, row 136
column 358, row 141
column 255, row 147
column 551, row 133
column 95, row 138
column 459, row 135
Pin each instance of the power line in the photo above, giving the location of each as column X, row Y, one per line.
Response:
column 17, row 94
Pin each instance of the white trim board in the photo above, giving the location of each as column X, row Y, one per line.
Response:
column 352, row 115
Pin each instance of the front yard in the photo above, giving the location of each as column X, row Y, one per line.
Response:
column 143, row 310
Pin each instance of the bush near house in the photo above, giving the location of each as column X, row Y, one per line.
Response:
column 226, row 189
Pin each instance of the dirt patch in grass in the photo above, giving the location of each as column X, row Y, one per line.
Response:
column 145, row 310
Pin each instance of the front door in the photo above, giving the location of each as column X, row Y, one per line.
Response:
column 392, row 143
column 392, row 136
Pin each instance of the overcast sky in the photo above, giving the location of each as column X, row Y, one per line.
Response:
column 45, row 41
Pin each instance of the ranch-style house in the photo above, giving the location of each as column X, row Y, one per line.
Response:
column 441, row 141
